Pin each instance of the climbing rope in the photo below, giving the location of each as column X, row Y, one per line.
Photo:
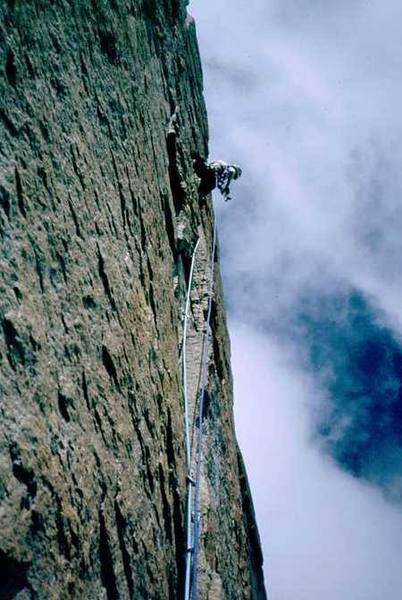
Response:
column 184, row 359
column 200, row 440
column 193, row 518
column 189, row 542
column 220, row 174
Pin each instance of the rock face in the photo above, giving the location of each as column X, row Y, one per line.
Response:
column 101, row 108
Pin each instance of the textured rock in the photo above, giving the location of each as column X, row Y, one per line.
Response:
column 101, row 107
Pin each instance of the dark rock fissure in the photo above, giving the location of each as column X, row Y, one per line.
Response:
column 121, row 525
column 11, row 128
column 64, row 404
column 13, row 576
column 254, row 549
column 109, row 366
column 5, row 200
column 11, row 69
column 108, row 45
column 15, row 347
column 106, row 561
column 24, row 476
column 176, row 187
column 105, row 281
column 169, row 220
column 20, row 194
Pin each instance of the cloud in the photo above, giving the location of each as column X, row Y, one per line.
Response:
column 306, row 96
column 324, row 534
column 358, row 361
column 310, row 109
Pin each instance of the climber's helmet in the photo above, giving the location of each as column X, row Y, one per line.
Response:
column 236, row 171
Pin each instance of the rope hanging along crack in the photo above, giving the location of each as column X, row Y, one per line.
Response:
column 200, row 440
column 216, row 174
column 189, row 478
column 184, row 360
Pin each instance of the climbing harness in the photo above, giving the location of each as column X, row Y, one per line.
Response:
column 193, row 516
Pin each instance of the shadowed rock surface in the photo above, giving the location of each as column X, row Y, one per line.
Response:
column 101, row 109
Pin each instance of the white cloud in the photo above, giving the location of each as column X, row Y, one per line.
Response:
column 306, row 96
column 304, row 107
column 324, row 534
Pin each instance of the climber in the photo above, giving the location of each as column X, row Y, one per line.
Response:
column 215, row 174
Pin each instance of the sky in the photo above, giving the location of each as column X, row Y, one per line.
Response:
column 305, row 95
